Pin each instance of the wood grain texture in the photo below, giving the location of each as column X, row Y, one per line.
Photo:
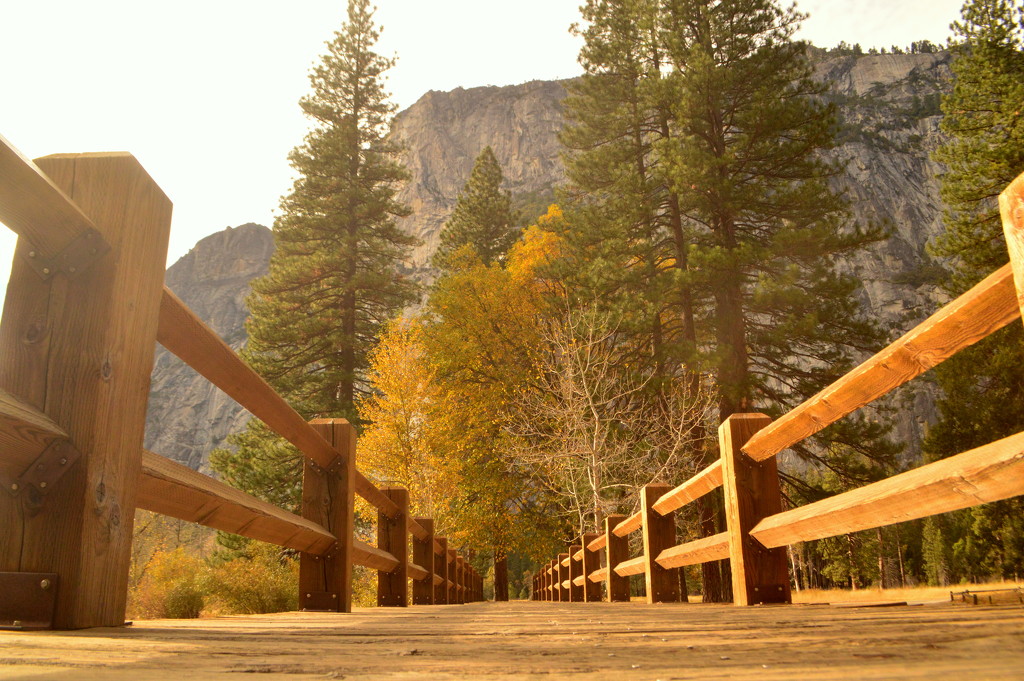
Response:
column 25, row 432
column 423, row 555
column 370, row 556
column 328, row 499
column 418, row 573
column 169, row 488
column 393, row 537
column 81, row 351
column 715, row 547
column 659, row 533
column 706, row 481
column 987, row 307
column 599, row 575
column 617, row 551
column 34, row 207
column 441, row 569
column 1011, row 209
column 759, row 575
column 575, row 571
column 979, row 476
column 191, row 340
column 629, row 525
column 633, row 566
column 591, row 563
column 599, row 543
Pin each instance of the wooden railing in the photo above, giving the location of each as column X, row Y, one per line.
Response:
column 758, row 528
column 84, row 308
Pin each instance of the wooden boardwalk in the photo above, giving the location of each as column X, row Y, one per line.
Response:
column 521, row 640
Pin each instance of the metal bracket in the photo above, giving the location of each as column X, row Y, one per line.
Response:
column 320, row 601
column 48, row 468
column 27, row 600
column 77, row 256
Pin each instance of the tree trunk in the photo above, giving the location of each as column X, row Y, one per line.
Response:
column 500, row 576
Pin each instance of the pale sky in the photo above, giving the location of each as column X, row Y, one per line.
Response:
column 204, row 92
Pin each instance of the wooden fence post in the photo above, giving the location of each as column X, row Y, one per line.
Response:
column 328, row 499
column 575, row 570
column 616, row 551
column 393, row 537
column 423, row 555
column 77, row 343
column 441, row 566
column 591, row 562
column 759, row 575
column 562, row 575
column 549, row 582
column 453, row 576
column 659, row 534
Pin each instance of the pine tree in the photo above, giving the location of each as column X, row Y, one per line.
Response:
column 334, row 280
column 483, row 216
column 983, row 386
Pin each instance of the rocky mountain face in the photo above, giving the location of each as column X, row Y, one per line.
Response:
column 891, row 115
column 188, row 417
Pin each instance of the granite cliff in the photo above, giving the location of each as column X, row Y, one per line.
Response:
column 890, row 124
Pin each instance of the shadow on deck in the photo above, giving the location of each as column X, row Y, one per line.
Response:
column 528, row 639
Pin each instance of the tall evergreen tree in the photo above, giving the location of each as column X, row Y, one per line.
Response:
column 983, row 386
column 333, row 281
column 483, row 216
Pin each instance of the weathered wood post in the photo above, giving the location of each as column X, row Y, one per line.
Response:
column 549, row 581
column 453, row 595
column 77, row 339
column 423, row 555
column 616, row 550
column 441, row 565
column 393, row 537
column 759, row 575
column 575, row 570
column 328, row 499
column 659, row 533
column 562, row 575
column 460, row 580
column 591, row 563
column 1011, row 210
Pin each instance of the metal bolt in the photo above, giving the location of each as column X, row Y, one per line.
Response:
column 46, row 270
column 63, row 462
column 42, row 485
column 44, row 585
column 72, row 270
column 309, row 595
column 31, row 254
column 16, row 623
column 14, row 487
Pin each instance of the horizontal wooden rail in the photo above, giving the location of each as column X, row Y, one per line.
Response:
column 987, row 307
column 438, row 579
column 578, row 555
column 634, row 566
column 565, row 584
column 565, row 562
column 25, row 433
column 185, row 335
column 578, row 581
column 372, row 557
column 598, row 575
column 34, row 207
column 706, row 481
column 172, row 489
column 599, row 543
column 418, row 572
column 630, row 524
column 715, row 547
column 989, row 473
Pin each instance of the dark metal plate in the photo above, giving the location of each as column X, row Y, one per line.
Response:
column 27, row 600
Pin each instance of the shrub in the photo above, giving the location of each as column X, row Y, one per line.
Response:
column 262, row 581
column 171, row 586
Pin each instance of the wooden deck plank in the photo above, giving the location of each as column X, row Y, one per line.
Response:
column 516, row 640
